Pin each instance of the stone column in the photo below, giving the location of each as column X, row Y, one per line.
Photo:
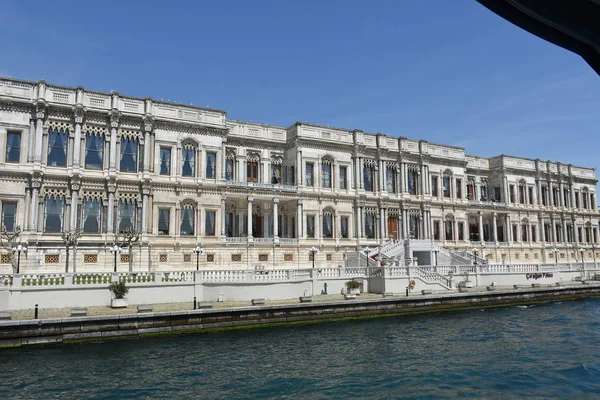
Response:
column 35, row 199
column 508, row 229
column 539, row 191
column 299, row 220
column 561, row 199
column 114, row 124
column 356, row 173
column 553, row 222
column 39, row 136
column 298, row 170
column 506, row 190
column 74, row 203
column 551, row 193
column 381, row 224
column 276, row 218
column 147, row 147
column 572, row 193
column 405, row 224
column 494, row 228
column 111, row 210
column 481, row 226
column 77, row 140
column 31, row 141
column 564, row 229
column 575, row 230
column 222, row 216
column 542, row 229
column 145, row 212
column 250, row 217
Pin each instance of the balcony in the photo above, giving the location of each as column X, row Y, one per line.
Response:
column 259, row 185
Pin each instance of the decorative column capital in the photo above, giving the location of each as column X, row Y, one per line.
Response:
column 148, row 124
column 114, row 118
column 78, row 114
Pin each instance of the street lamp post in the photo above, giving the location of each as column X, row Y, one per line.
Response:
column 19, row 249
column 198, row 250
column 555, row 251
column 474, row 256
column 115, row 249
column 313, row 251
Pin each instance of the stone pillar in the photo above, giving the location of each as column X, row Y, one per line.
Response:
column 551, row 194
column 34, row 206
column 506, row 190
column 39, row 136
column 299, row 221
column 572, row 193
column 77, row 141
column 222, row 216
column 114, row 124
column 111, row 210
column 539, row 191
column 405, row 224
column 145, row 213
column 481, row 226
column 575, row 230
column 561, row 199
column 249, row 217
column 542, row 235
column 494, row 228
column 74, row 202
column 564, row 229
column 381, row 224
column 147, row 148
column 508, row 229
column 276, row 218
column 553, row 222
column 298, row 170
column 31, row 141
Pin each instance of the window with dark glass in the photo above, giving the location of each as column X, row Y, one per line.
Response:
column 229, row 224
column 211, row 162
column 54, row 214
column 326, row 175
column 446, row 186
column 344, row 227
column 209, row 226
column 94, row 147
column 448, row 229
column 530, row 193
column 187, row 220
column 461, row 231
column 434, row 186
column 252, row 171
column 13, row 147
column 126, row 215
column 91, row 215
column 524, row 233
column 459, row 188
column 521, row 194
column 436, row 230
column 57, row 148
column 129, row 149
column 368, row 178
column 163, row 221
column 370, row 226
column 412, row 182
column 310, row 226
column 276, row 178
column 512, row 193
column 497, row 196
column 9, row 212
column 484, row 192
column 545, row 196
column 471, row 191
column 413, row 227
column 343, row 177
column 327, row 226
column 188, row 161
column 390, row 180
column 165, row 161
column 309, row 174
column 229, row 170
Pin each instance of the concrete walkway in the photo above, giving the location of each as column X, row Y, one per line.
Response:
column 44, row 313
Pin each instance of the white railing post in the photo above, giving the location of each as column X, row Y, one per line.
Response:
column 68, row 279
column 17, row 281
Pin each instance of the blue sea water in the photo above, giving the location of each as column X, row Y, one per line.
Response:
column 544, row 351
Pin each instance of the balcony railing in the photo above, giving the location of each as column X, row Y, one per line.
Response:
column 262, row 185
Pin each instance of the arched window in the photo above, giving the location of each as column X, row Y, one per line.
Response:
column 188, row 212
column 326, row 173
column 327, row 224
column 448, row 231
column 54, row 213
column 126, row 215
column 129, row 154
column 368, row 175
column 94, row 148
column 188, row 160
column 57, row 148
column 91, row 215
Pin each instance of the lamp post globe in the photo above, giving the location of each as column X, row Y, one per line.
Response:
column 313, row 251
column 19, row 249
column 115, row 249
column 198, row 250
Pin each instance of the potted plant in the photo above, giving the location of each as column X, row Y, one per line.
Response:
column 353, row 287
column 119, row 290
column 466, row 283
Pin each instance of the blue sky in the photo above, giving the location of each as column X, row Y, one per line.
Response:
column 447, row 71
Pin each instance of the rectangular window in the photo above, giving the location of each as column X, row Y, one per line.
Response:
column 209, row 226
column 368, row 178
column 188, row 161
column 436, row 230
column 126, row 215
column 470, row 191
column 514, row 233
column 459, row 188
column 327, row 226
column 13, row 147
column 512, row 193
column 497, row 196
column 9, row 213
column 344, row 227
column 446, row 186
column 524, row 233
column 252, row 171
column 211, row 162
column 91, row 215
column 129, row 149
column 370, row 226
column 461, row 231
column 229, row 224
column 229, row 170
column 545, row 196
column 521, row 194
column 530, row 193
column 412, row 183
column 484, row 192
column 413, row 227
column 54, row 214
column 310, row 226
column 163, row 221
column 448, row 230
column 187, row 220
column 309, row 174
column 434, row 186
column 276, row 177
column 326, row 175
column 389, row 180
column 343, row 177
column 94, row 147
column 57, row 148
column 165, row 161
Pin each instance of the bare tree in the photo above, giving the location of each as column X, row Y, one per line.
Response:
column 8, row 240
column 129, row 237
column 70, row 239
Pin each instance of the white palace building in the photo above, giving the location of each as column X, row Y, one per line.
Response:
column 260, row 195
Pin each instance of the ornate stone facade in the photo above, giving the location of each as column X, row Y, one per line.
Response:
column 253, row 194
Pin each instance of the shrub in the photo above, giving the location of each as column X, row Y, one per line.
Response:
column 353, row 285
column 118, row 289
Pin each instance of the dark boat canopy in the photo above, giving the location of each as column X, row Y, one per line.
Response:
column 571, row 24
